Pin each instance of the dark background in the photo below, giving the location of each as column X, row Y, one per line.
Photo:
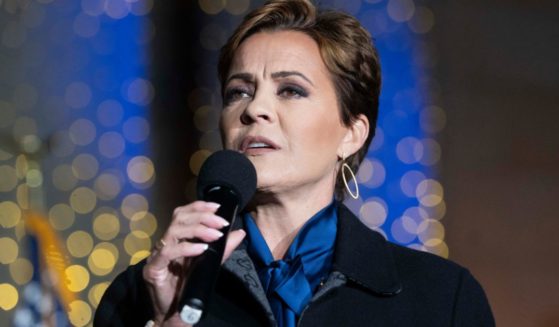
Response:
column 498, row 65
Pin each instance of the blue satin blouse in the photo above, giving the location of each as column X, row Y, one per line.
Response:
column 289, row 283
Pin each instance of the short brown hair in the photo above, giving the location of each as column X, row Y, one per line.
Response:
column 346, row 49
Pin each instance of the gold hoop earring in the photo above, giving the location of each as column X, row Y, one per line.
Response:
column 345, row 167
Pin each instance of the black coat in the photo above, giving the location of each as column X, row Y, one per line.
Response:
column 372, row 283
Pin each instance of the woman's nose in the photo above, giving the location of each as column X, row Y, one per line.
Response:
column 259, row 109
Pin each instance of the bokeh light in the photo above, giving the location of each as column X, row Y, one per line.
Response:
column 10, row 214
column 21, row 271
column 77, row 277
column 9, row 297
column 79, row 243
column 84, row 64
column 80, row 313
column 10, row 250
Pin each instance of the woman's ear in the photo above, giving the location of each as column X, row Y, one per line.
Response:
column 355, row 136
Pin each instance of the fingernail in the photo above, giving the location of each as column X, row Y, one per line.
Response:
column 213, row 205
column 225, row 223
column 204, row 247
column 217, row 233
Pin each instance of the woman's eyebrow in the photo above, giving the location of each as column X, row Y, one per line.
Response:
column 246, row 77
column 291, row 73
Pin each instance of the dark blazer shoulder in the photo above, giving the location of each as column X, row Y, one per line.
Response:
column 414, row 279
column 126, row 301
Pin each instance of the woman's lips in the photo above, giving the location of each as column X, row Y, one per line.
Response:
column 256, row 145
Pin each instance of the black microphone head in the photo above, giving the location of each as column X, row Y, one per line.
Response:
column 229, row 169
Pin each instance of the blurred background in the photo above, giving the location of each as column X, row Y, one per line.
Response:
column 109, row 107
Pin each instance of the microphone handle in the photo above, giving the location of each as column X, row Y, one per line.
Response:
column 201, row 281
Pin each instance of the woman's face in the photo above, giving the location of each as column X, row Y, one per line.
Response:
column 281, row 111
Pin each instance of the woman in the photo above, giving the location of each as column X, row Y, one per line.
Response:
column 300, row 99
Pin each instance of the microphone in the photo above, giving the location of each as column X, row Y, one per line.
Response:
column 228, row 178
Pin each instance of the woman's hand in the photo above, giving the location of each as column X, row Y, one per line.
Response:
column 169, row 262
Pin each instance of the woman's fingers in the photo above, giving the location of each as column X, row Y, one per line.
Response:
column 197, row 206
column 160, row 259
column 202, row 215
column 190, row 233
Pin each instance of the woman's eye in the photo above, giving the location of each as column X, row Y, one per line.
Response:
column 236, row 94
column 292, row 92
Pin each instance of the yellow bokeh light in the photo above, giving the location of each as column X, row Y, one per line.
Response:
column 63, row 178
column 438, row 211
column 139, row 256
column 440, row 249
column 9, row 250
column 83, row 200
column 429, row 192
column 30, row 143
column 22, row 165
column 9, row 297
column 212, row 7
column 107, row 186
column 61, row 216
column 85, row 166
column 143, row 221
column 132, row 204
column 21, row 271
column 197, row 159
column 106, row 226
column 34, row 178
column 96, row 293
column 109, row 247
column 77, row 278
column 10, row 214
column 80, row 313
column 22, row 195
column 79, row 244
column 9, row 178
column 431, row 232
column 101, row 261
column 137, row 241
column 99, row 265
column 140, row 169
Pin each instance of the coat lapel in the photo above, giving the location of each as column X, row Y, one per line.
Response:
column 363, row 256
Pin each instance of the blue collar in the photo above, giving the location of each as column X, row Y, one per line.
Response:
column 290, row 282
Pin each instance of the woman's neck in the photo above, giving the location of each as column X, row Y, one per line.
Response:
column 280, row 217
